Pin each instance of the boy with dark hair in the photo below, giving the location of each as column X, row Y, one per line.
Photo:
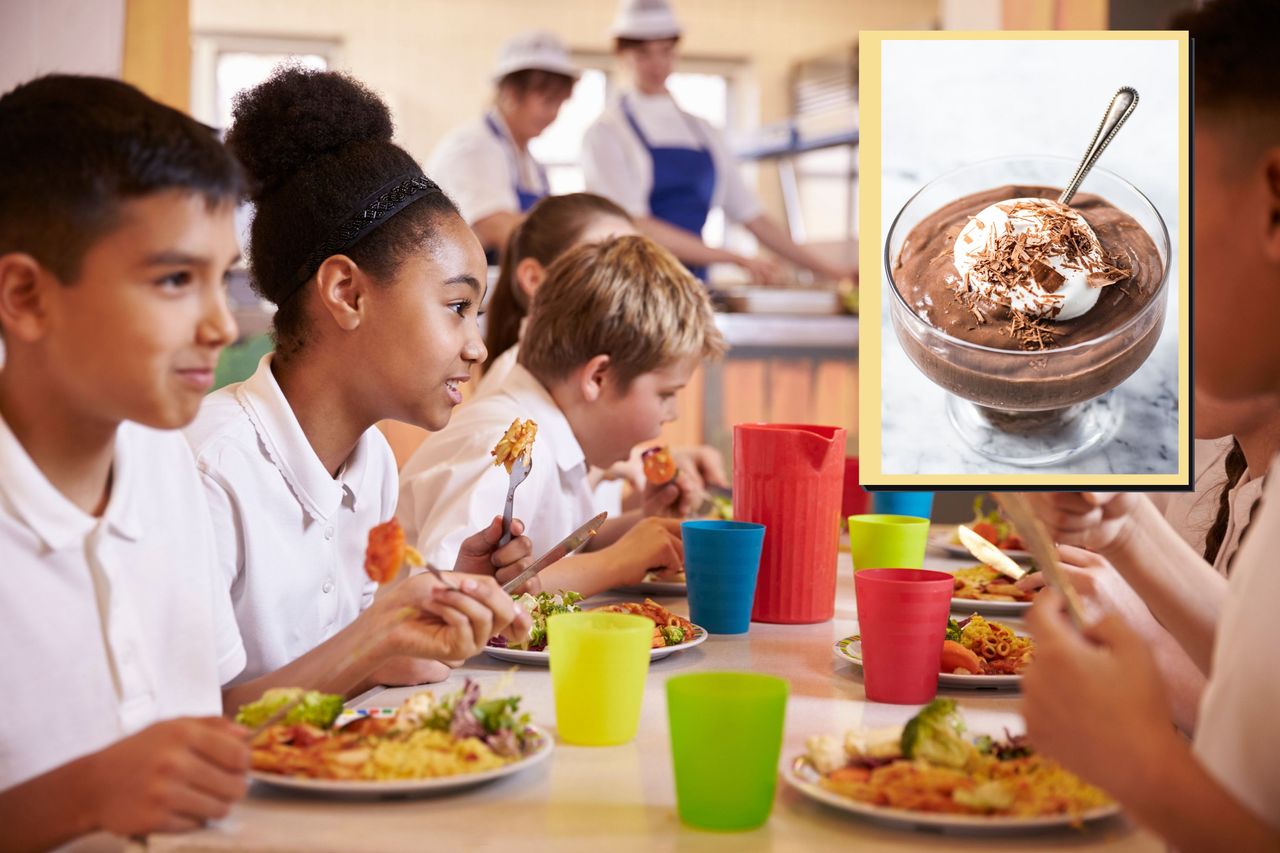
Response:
column 115, row 236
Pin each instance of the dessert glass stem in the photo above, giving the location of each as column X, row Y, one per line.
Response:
column 1123, row 102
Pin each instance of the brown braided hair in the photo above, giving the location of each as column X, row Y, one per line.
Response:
column 1235, row 465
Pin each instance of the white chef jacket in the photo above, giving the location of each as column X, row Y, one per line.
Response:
column 1236, row 737
column 617, row 166
column 450, row 488
column 1193, row 513
column 479, row 171
column 107, row 625
column 291, row 537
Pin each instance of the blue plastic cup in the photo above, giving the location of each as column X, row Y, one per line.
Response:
column 919, row 504
column 721, row 561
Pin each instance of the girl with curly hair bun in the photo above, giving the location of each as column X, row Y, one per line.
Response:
column 377, row 283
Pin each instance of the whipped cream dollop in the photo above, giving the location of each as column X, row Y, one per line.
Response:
column 1035, row 256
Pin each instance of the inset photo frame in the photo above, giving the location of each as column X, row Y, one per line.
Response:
column 1015, row 334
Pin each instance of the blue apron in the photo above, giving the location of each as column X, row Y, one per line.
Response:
column 684, row 180
column 527, row 198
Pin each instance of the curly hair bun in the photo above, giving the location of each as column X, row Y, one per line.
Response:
column 298, row 117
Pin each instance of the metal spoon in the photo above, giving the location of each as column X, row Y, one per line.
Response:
column 1124, row 102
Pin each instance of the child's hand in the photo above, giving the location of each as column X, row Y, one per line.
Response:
column 449, row 625
column 1099, row 521
column 703, row 465
column 673, row 499
column 170, row 777
column 406, row 671
column 1108, row 668
column 480, row 555
column 653, row 544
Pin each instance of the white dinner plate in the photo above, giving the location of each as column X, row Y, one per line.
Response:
column 802, row 776
column 648, row 588
column 943, row 537
column 849, row 650
column 990, row 608
column 543, row 658
column 402, row 787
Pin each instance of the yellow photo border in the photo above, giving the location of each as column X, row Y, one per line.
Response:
column 871, row 280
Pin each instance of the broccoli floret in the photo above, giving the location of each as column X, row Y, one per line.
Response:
column 316, row 708
column 933, row 736
column 672, row 635
column 953, row 630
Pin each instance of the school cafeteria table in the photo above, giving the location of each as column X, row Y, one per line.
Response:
column 623, row 798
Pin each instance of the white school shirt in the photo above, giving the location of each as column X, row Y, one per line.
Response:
column 479, row 171
column 109, row 624
column 616, row 164
column 450, row 488
column 291, row 537
column 1193, row 513
column 1236, row 738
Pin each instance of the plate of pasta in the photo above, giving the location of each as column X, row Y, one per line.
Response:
column 976, row 653
column 929, row 774
column 671, row 632
column 425, row 746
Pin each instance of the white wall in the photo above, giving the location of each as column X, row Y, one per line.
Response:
column 77, row 36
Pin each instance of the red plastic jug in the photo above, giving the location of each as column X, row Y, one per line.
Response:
column 789, row 478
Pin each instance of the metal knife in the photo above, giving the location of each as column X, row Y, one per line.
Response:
column 1043, row 551
column 571, row 543
column 989, row 554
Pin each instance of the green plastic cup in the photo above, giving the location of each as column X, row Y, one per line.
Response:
column 887, row 541
column 599, row 662
column 726, row 736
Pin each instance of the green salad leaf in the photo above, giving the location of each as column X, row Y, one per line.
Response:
column 316, row 708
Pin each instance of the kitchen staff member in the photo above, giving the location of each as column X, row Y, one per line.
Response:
column 668, row 168
column 485, row 166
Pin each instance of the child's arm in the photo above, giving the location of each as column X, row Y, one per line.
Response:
column 444, row 625
column 170, row 777
column 652, row 544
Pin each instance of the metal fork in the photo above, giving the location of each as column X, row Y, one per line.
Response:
column 519, row 471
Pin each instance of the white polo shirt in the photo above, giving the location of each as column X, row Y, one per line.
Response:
column 109, row 624
column 616, row 164
column 1237, row 738
column 450, row 488
column 291, row 537
column 479, row 171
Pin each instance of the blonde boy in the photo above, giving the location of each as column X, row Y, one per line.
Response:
column 616, row 331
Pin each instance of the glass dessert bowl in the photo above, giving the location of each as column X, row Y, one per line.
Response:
column 1027, row 389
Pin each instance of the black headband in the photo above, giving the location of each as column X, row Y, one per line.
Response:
column 391, row 198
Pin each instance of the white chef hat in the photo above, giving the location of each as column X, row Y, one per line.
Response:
column 645, row 20
column 537, row 50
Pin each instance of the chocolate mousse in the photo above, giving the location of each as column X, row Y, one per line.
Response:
column 1011, row 269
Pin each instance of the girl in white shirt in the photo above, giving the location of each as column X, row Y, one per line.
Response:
column 377, row 282
column 1096, row 702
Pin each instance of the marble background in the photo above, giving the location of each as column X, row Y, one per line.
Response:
column 949, row 104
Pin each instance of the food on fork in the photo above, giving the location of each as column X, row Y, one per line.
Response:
column 659, row 466
column 516, row 443
column 387, row 551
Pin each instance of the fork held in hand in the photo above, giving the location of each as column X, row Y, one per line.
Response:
column 519, row 471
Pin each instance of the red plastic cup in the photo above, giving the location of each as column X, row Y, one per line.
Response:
column 855, row 498
column 789, row 477
column 902, row 617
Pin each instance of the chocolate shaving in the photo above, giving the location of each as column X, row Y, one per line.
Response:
column 1046, row 276
column 1031, row 333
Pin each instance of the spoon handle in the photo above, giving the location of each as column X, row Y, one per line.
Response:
column 1122, row 104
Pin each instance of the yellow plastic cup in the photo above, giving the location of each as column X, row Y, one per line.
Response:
column 880, row 541
column 599, row 662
